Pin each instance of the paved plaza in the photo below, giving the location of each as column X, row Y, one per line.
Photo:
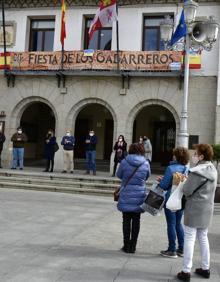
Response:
column 55, row 237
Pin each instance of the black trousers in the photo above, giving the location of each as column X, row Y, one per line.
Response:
column 115, row 167
column 131, row 226
column 49, row 165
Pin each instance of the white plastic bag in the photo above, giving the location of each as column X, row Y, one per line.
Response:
column 174, row 202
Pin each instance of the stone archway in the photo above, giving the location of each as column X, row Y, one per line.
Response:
column 96, row 114
column 160, row 122
column 19, row 109
column 36, row 115
column 137, row 108
column 73, row 113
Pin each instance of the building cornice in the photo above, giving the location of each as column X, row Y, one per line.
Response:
column 56, row 3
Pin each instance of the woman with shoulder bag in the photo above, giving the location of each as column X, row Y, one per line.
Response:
column 199, row 190
column 173, row 219
column 134, row 170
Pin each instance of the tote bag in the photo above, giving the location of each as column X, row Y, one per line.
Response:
column 154, row 200
column 174, row 202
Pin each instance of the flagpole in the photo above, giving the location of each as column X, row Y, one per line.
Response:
column 117, row 40
column 4, row 34
column 183, row 133
column 62, row 57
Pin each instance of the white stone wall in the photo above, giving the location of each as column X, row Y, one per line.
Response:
column 105, row 91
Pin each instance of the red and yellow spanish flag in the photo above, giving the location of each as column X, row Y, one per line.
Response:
column 63, row 23
column 2, row 61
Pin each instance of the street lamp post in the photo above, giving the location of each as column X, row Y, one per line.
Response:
column 199, row 35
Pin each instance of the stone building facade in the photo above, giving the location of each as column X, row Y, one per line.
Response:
column 148, row 104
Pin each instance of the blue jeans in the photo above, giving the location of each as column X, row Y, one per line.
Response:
column 18, row 157
column 174, row 229
column 90, row 161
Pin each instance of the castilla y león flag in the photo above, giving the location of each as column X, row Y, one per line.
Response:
column 104, row 17
column 63, row 23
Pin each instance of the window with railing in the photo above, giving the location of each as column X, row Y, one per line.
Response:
column 101, row 39
column 151, row 33
column 42, row 34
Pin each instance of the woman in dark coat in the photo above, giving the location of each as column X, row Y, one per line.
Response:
column 134, row 170
column 2, row 140
column 120, row 149
column 50, row 150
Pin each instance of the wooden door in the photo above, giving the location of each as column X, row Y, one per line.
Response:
column 163, row 142
column 109, row 128
column 81, row 131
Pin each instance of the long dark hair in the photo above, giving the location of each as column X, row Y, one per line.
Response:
column 121, row 136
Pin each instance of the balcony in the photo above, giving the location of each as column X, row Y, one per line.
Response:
column 123, row 64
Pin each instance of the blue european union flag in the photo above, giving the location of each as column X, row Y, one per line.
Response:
column 180, row 31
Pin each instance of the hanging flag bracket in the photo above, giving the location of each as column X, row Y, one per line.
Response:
column 125, row 81
column 61, row 80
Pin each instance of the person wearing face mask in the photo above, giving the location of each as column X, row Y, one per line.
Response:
column 141, row 140
column 90, row 146
column 2, row 140
column 68, row 142
column 148, row 148
column 19, row 139
column 49, row 146
column 120, row 149
column 173, row 219
column 199, row 190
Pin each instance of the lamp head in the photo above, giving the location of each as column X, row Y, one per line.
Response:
column 190, row 8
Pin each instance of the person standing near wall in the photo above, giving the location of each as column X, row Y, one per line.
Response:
column 50, row 143
column 19, row 139
column 120, row 149
column 148, row 148
column 90, row 143
column 68, row 143
column 2, row 140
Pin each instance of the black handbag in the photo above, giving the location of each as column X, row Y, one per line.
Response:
column 56, row 147
column 184, row 200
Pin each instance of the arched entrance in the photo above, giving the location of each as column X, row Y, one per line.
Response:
column 36, row 119
column 158, row 123
column 97, row 117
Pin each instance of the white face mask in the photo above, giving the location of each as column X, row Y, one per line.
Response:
column 195, row 160
column 19, row 131
column 91, row 134
column 120, row 140
column 68, row 134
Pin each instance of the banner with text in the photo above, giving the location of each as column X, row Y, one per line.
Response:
column 99, row 60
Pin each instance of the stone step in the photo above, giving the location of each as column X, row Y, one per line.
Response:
column 59, row 176
column 59, row 183
column 217, row 208
column 36, row 187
